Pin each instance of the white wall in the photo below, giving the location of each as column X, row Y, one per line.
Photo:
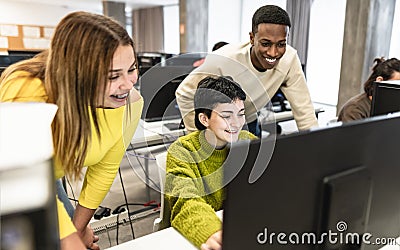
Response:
column 171, row 29
column 224, row 21
column 395, row 41
column 232, row 22
column 14, row 12
column 248, row 9
column 325, row 50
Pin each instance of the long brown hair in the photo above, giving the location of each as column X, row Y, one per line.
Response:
column 78, row 64
column 383, row 68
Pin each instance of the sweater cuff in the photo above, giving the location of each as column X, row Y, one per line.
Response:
column 198, row 229
column 205, row 233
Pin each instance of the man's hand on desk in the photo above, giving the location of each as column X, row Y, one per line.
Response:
column 214, row 242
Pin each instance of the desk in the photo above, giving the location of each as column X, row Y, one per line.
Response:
column 271, row 117
column 155, row 133
column 167, row 239
column 269, row 120
column 170, row 239
column 150, row 134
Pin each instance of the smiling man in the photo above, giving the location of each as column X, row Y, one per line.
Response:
column 261, row 67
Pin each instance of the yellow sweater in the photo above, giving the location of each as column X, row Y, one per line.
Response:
column 103, row 158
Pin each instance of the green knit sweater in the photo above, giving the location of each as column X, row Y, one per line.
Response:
column 193, row 188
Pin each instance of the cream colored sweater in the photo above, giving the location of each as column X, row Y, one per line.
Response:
column 234, row 60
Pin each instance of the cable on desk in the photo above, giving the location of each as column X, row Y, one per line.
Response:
column 150, row 204
column 166, row 136
column 109, row 238
column 141, row 166
column 127, row 207
column 72, row 191
column 141, row 156
column 117, row 231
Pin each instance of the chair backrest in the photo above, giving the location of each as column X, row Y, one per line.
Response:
column 161, row 160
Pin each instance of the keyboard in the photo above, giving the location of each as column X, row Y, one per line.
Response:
column 174, row 126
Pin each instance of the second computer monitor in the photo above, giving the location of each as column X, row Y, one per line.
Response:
column 158, row 86
column 386, row 98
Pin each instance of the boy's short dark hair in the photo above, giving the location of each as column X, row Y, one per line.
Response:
column 212, row 91
column 270, row 14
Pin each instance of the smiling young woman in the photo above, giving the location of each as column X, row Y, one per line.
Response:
column 88, row 72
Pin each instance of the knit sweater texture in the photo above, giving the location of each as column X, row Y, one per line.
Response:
column 193, row 188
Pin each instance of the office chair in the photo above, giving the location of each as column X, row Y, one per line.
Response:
column 161, row 160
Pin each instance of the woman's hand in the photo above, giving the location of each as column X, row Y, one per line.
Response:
column 72, row 242
column 214, row 242
column 89, row 239
column 81, row 220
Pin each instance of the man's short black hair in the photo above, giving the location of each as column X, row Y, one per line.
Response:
column 270, row 14
column 212, row 91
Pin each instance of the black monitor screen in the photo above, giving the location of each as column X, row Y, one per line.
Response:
column 7, row 60
column 386, row 97
column 339, row 180
column 157, row 86
column 186, row 59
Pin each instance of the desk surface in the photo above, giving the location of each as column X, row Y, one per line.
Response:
column 167, row 239
column 275, row 117
column 155, row 133
column 171, row 239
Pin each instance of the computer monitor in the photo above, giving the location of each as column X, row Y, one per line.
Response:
column 184, row 59
column 386, row 97
column 341, row 180
column 7, row 60
column 158, row 86
column 149, row 59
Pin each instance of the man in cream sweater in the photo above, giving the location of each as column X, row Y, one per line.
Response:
column 261, row 67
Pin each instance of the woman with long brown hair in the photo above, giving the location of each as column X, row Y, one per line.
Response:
column 359, row 106
column 88, row 72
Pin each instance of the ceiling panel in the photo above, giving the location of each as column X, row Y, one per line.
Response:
column 85, row 4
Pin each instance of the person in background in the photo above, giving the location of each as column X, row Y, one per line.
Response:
column 261, row 66
column 193, row 188
column 88, row 72
column 214, row 48
column 359, row 106
column 219, row 45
